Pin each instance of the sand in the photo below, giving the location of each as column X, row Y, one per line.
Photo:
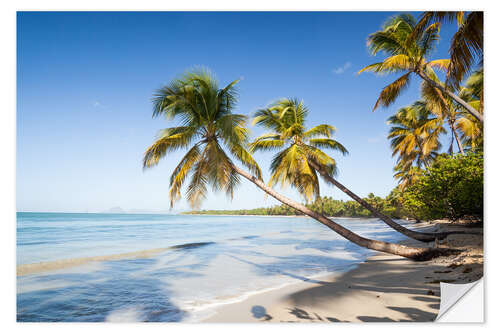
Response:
column 40, row 267
column 383, row 288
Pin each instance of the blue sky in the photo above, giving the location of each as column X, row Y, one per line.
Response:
column 85, row 82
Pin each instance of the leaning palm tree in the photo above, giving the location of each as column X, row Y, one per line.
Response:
column 300, row 157
column 212, row 134
column 466, row 45
column 407, row 54
column 286, row 118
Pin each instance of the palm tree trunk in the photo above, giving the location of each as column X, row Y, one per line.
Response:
column 459, row 144
column 415, row 253
column 421, row 236
column 422, row 154
column 460, row 101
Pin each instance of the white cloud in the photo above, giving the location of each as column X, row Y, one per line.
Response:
column 342, row 69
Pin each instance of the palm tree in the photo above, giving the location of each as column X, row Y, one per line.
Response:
column 301, row 158
column 206, row 118
column 286, row 119
column 443, row 107
column 209, row 128
column 407, row 51
column 407, row 175
column 466, row 44
column 414, row 136
column 471, row 129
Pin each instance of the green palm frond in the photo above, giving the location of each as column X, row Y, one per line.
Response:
column 441, row 64
column 181, row 171
column 392, row 64
column 169, row 140
column 328, row 143
column 429, row 39
column 320, row 130
column 265, row 145
column 197, row 189
column 245, row 158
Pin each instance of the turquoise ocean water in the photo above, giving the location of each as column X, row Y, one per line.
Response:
column 210, row 260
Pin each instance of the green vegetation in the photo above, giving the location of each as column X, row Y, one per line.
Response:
column 324, row 205
column 451, row 188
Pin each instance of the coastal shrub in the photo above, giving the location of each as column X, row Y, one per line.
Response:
column 452, row 187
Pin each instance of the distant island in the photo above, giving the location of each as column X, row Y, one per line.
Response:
column 324, row 205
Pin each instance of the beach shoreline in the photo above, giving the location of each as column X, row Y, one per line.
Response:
column 383, row 288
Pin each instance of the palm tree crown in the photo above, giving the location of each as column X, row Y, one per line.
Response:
column 207, row 126
column 298, row 146
column 466, row 45
column 407, row 46
column 414, row 138
column 471, row 129
column 405, row 54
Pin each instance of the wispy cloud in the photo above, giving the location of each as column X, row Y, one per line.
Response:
column 342, row 69
column 98, row 105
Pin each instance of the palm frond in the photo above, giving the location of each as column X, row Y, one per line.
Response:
column 390, row 92
column 169, row 140
column 441, row 64
column 328, row 143
column 180, row 173
column 245, row 158
column 466, row 47
column 320, row 130
column 266, row 145
column 197, row 189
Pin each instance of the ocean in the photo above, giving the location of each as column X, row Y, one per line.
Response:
column 203, row 262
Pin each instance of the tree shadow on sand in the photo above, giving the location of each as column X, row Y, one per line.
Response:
column 385, row 280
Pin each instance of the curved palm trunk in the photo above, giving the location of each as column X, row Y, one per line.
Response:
column 415, row 253
column 421, row 236
column 460, row 101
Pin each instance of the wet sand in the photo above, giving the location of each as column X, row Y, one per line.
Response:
column 67, row 263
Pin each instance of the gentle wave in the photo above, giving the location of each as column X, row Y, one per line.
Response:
column 67, row 263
